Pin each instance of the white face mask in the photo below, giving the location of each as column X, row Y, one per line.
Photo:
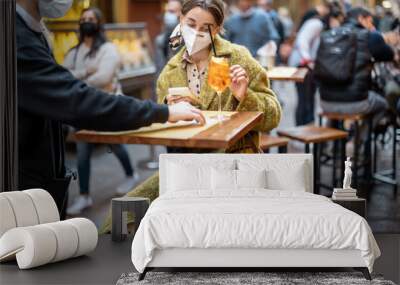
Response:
column 54, row 8
column 195, row 41
column 247, row 14
column 170, row 20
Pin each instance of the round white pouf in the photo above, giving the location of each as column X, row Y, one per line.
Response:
column 67, row 240
column 87, row 234
column 23, row 208
column 46, row 208
column 37, row 245
column 33, row 246
column 7, row 218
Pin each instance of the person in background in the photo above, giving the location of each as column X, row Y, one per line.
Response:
column 286, row 46
column 347, row 5
column 286, row 20
column 170, row 20
column 249, row 89
column 96, row 61
column 252, row 27
column 50, row 96
column 356, row 97
column 389, row 72
column 231, row 9
column 267, row 7
column 320, row 11
column 336, row 17
column 388, row 21
column 303, row 55
column 378, row 15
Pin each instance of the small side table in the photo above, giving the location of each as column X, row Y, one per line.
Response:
column 357, row 205
column 120, row 208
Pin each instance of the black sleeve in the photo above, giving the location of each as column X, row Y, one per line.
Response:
column 49, row 90
column 378, row 48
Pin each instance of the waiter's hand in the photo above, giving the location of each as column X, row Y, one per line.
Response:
column 185, row 112
column 239, row 82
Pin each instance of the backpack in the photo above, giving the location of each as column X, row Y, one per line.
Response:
column 336, row 56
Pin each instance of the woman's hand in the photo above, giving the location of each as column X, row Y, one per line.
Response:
column 173, row 99
column 239, row 82
column 177, row 99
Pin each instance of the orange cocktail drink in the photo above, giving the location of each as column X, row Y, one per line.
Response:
column 219, row 78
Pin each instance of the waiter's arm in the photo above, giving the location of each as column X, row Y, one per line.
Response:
column 47, row 89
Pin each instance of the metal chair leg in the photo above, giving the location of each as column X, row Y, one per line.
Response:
column 334, row 158
column 320, row 120
column 367, row 153
column 356, row 154
column 394, row 160
column 307, row 148
column 375, row 155
column 394, row 149
column 282, row 149
column 316, row 156
column 342, row 159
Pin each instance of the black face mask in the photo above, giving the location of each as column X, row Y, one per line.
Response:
column 88, row 29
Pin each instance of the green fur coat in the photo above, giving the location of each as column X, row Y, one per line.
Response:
column 259, row 95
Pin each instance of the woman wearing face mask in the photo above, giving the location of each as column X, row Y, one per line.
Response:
column 171, row 18
column 95, row 61
column 200, row 24
column 249, row 90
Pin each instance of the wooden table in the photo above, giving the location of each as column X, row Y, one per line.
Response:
column 282, row 73
column 220, row 136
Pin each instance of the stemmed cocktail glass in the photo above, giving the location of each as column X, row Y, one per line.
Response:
column 219, row 79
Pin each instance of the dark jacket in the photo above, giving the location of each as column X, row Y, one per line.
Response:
column 49, row 96
column 370, row 47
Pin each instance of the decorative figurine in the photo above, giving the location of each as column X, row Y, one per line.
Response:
column 345, row 193
column 347, row 174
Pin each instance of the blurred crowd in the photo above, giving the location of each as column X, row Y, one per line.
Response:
column 255, row 24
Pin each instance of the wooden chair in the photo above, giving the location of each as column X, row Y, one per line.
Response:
column 357, row 119
column 268, row 141
column 317, row 135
